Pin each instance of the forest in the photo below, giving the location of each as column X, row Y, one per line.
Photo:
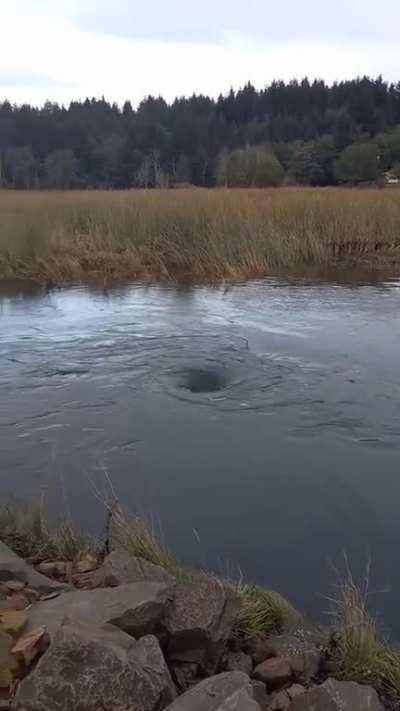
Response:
column 295, row 133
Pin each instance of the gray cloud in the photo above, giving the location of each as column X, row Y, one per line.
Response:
column 30, row 80
column 260, row 20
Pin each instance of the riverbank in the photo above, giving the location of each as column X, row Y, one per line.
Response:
column 202, row 235
column 195, row 630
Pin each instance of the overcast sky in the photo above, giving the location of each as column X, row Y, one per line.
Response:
column 66, row 49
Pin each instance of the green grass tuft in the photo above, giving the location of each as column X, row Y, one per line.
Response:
column 359, row 652
column 355, row 629
column 139, row 537
column 263, row 612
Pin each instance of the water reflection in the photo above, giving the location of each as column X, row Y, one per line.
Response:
column 19, row 290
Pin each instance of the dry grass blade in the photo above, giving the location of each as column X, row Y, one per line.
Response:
column 27, row 531
column 360, row 653
column 356, row 628
column 139, row 537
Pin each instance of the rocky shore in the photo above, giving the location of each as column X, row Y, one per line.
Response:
column 118, row 633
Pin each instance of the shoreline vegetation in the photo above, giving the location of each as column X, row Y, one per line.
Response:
column 26, row 530
column 350, row 646
column 198, row 235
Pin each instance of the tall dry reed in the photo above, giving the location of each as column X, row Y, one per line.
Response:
column 58, row 237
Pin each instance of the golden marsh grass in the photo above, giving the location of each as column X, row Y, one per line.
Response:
column 212, row 235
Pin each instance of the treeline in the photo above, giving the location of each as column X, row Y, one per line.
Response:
column 288, row 133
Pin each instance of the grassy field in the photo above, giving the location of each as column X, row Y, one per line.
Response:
column 195, row 234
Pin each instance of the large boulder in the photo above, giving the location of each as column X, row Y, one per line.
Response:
column 120, row 568
column 12, row 567
column 231, row 691
column 136, row 608
column 338, row 696
column 89, row 668
column 199, row 622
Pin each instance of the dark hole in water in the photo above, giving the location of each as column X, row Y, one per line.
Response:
column 203, row 381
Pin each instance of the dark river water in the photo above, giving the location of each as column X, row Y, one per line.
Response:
column 259, row 424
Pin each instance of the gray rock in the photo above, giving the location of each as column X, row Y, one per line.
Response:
column 238, row 661
column 279, row 702
column 338, row 696
column 275, row 673
column 120, row 568
column 259, row 649
column 9, row 666
column 282, row 700
column 295, row 690
column 199, row 622
column 240, row 701
column 231, row 691
column 136, row 608
column 185, row 675
column 12, row 567
column 260, row 694
column 97, row 668
column 304, row 657
column 53, row 569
